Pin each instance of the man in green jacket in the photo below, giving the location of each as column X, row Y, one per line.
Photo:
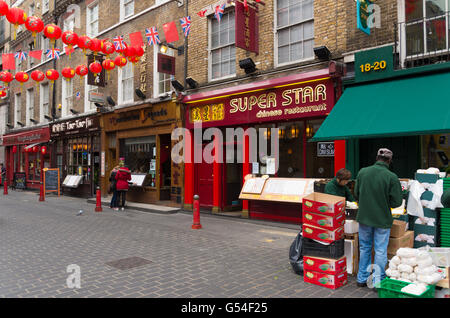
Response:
column 338, row 186
column 377, row 190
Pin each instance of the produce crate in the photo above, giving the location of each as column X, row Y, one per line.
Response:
column 312, row 248
column 391, row 288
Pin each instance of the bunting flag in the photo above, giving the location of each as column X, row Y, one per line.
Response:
column 53, row 54
column 36, row 54
column 119, row 44
column 8, row 61
column 202, row 13
column 136, row 39
column 170, row 32
column 186, row 25
column 22, row 56
column 152, row 36
column 219, row 11
column 78, row 95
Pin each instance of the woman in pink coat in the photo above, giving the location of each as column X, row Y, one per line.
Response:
column 122, row 177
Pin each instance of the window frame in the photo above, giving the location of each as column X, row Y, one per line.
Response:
column 45, row 6
column 89, row 23
column 123, row 3
column 17, row 109
column 65, row 105
column 42, row 95
column 29, row 108
column 276, row 33
column 220, row 47
column 121, row 97
column 156, row 74
column 88, row 106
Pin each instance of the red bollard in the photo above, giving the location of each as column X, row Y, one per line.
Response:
column 5, row 187
column 196, row 225
column 98, row 207
column 41, row 193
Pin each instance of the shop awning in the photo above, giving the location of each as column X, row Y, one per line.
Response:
column 401, row 107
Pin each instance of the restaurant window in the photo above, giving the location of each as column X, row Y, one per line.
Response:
column 222, row 47
column 79, row 151
column 294, row 30
column 60, row 156
column 426, row 25
column 139, row 153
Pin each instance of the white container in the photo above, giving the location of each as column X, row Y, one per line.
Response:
column 440, row 256
column 351, row 227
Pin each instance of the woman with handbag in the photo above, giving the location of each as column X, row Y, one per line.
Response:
column 122, row 177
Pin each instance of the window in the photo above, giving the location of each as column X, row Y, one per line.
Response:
column 126, row 84
column 294, row 31
column 30, row 60
column 31, row 10
column 45, row 6
column 30, row 107
column 45, row 46
column 426, row 25
column 126, row 9
column 87, row 90
column 17, row 109
column 222, row 47
column 44, row 102
column 92, row 20
column 161, row 81
column 67, row 97
column 69, row 23
column 2, row 28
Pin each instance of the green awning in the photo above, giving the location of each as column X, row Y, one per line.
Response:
column 402, row 107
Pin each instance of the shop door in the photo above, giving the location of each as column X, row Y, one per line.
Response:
column 204, row 180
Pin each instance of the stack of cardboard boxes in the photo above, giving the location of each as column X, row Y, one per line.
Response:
column 323, row 224
column 399, row 237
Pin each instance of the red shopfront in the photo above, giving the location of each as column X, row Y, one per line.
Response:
column 292, row 107
column 27, row 152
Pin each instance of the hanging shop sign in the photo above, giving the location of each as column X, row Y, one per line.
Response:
column 374, row 64
column 75, row 126
column 291, row 101
column 166, row 64
column 247, row 27
column 362, row 15
column 97, row 79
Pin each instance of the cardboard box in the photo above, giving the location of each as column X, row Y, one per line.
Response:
column 321, row 234
column 322, row 203
column 320, row 220
column 352, row 256
column 351, row 227
column 325, row 280
column 325, row 265
column 445, row 283
column 407, row 240
column 398, row 228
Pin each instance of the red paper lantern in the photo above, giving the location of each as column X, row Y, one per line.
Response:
column 68, row 73
column 14, row 149
column 3, row 8
column 108, row 48
column 2, row 94
column 17, row 17
column 134, row 59
column 108, row 65
column 84, row 42
column 120, row 61
column 22, row 77
column 70, row 39
column 44, row 150
column 35, row 149
column 81, row 70
column 37, row 76
column 95, row 67
column 25, row 149
column 6, row 77
column 140, row 51
column 96, row 46
column 53, row 32
column 52, row 75
column 130, row 51
column 34, row 25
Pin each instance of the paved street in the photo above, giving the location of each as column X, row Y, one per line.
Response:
column 227, row 258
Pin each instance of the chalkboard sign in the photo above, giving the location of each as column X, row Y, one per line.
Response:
column 20, row 180
column 51, row 180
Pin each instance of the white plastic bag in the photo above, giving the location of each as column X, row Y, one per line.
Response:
column 392, row 265
column 411, row 261
column 406, row 252
column 396, row 260
column 425, row 262
column 403, row 268
column 429, row 270
column 437, row 189
column 414, row 206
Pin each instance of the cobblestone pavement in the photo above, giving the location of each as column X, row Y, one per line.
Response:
column 227, row 258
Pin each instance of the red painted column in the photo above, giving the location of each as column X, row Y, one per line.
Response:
column 188, row 169
column 339, row 155
column 217, row 177
column 245, row 171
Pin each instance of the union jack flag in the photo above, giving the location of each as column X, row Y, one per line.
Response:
column 219, row 11
column 186, row 25
column 22, row 56
column 53, row 54
column 152, row 36
column 119, row 44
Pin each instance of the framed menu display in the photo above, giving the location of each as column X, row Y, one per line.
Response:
column 137, row 180
column 72, row 181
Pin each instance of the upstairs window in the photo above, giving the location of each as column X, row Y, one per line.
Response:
column 222, row 47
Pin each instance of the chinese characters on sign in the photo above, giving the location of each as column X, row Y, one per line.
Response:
column 207, row 113
column 247, row 21
column 325, row 149
column 143, row 71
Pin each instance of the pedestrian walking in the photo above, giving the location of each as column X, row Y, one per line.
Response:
column 123, row 176
column 338, row 186
column 113, row 189
column 377, row 190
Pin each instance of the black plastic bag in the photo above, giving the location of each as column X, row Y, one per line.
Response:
column 296, row 254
